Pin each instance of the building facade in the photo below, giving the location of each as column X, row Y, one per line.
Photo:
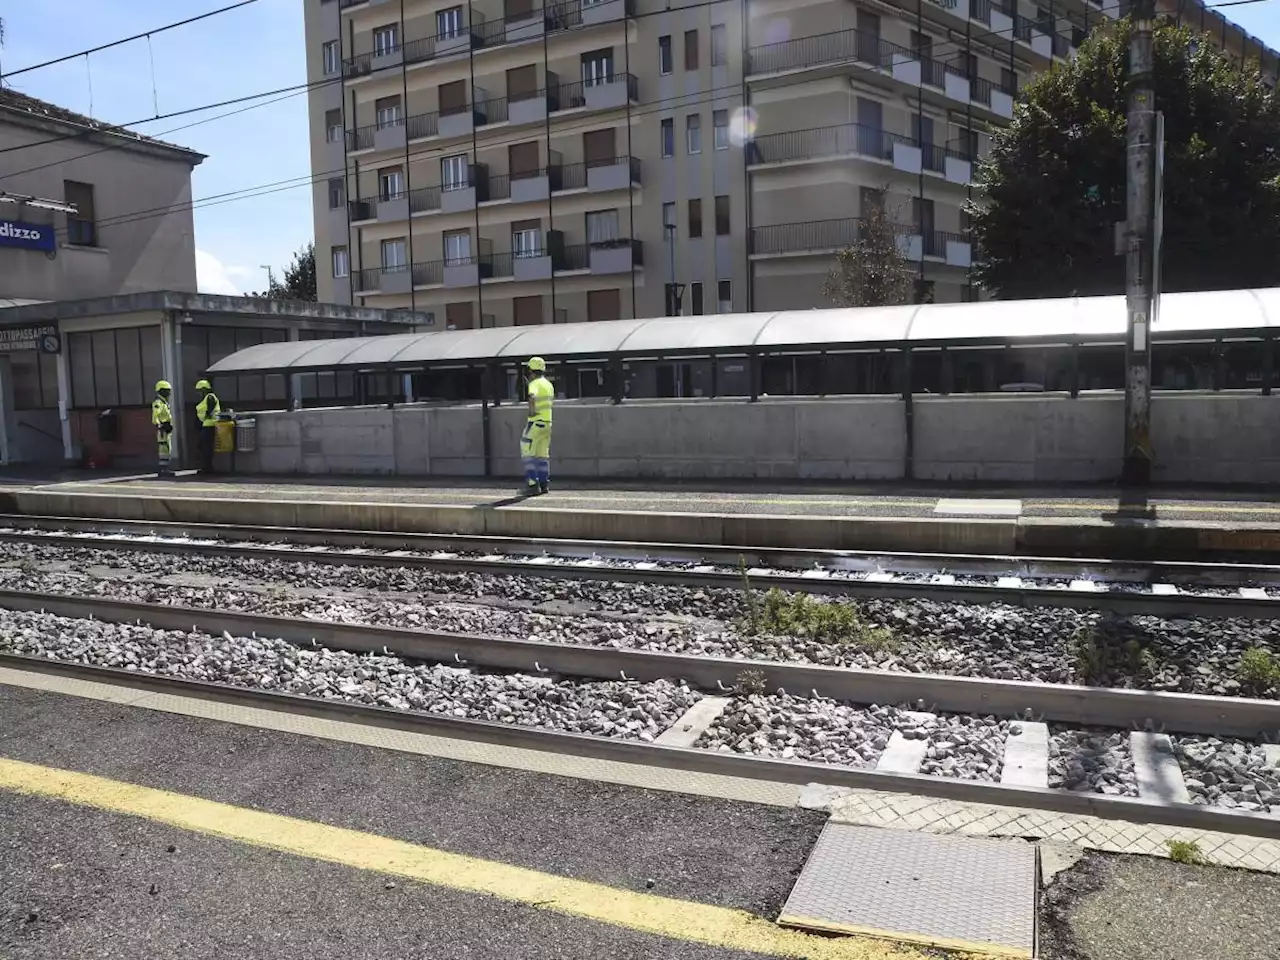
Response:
column 132, row 229
column 507, row 162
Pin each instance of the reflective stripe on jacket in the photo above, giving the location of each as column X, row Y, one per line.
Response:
column 207, row 409
column 543, row 393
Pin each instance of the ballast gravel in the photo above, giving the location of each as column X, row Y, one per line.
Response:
column 1192, row 655
column 828, row 731
column 1231, row 773
column 1096, row 760
column 626, row 710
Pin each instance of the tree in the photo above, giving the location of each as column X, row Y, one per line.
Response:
column 871, row 271
column 299, row 278
column 1054, row 184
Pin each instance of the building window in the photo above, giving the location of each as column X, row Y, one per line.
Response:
column 597, row 67
column 695, row 298
column 337, row 193
column 82, row 228
column 693, row 133
column 386, row 40
column 526, row 239
column 453, row 172
column 604, row 304
column 1008, row 81
column 602, row 226
column 695, row 218
column 457, row 248
column 329, row 52
column 924, row 291
column 691, row 49
column 671, row 299
column 388, row 111
column 720, row 120
column 722, row 216
column 664, row 55
column 724, row 296
column 668, row 220
column 341, row 263
column 719, row 45
column 449, row 23
column 668, row 137
column 390, row 183
column 332, row 126
column 394, row 254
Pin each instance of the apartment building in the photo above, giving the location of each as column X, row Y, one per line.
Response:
column 517, row 161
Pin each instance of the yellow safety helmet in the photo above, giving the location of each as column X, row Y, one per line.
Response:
column 163, row 385
column 203, row 385
column 537, row 364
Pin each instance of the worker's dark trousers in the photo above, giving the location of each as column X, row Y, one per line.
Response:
column 206, row 449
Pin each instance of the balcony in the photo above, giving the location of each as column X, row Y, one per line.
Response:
column 610, row 256
column 856, row 140
column 424, row 200
column 428, row 274
column 388, row 209
column 389, row 135
column 601, row 93
column 1005, row 21
column 997, row 98
column 829, row 236
column 526, row 186
column 389, row 280
column 467, row 193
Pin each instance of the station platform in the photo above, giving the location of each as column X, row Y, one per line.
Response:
column 1161, row 524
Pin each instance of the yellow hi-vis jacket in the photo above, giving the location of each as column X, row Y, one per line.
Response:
column 543, row 393
column 160, row 412
column 207, row 409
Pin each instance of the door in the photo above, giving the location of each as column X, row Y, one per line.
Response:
column 922, row 214
column 869, row 37
column 458, row 316
column 597, row 67
column 871, row 139
column 599, row 147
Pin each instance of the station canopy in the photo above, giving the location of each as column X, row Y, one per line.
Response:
column 1087, row 319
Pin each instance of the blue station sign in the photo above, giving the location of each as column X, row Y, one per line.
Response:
column 28, row 236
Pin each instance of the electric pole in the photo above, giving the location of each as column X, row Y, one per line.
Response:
column 1139, row 248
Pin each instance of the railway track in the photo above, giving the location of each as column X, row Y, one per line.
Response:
column 1172, row 589
column 869, row 706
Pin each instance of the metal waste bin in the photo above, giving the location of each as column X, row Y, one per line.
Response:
column 246, row 435
column 109, row 426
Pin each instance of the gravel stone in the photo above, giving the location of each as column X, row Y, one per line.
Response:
column 625, row 710
column 1230, row 773
column 1091, row 760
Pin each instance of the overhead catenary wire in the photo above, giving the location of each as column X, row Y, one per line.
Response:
column 124, row 40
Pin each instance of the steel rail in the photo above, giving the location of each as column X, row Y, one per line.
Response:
column 1125, row 602
column 689, row 759
column 1188, row 713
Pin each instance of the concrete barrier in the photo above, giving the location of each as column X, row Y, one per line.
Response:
column 1198, row 438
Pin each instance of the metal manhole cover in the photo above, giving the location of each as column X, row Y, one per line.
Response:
column 960, row 893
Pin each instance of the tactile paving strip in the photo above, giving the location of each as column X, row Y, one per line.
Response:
column 959, row 893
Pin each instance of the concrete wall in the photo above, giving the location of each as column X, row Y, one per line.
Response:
column 1219, row 438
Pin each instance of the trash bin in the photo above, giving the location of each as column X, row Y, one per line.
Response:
column 109, row 426
column 246, row 435
column 224, row 434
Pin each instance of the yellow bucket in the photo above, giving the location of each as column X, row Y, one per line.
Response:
column 224, row 437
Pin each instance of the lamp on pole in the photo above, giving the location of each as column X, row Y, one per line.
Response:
column 271, row 280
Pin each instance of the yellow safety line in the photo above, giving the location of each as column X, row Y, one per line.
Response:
column 646, row 913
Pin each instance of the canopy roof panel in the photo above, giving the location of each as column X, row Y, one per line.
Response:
column 995, row 320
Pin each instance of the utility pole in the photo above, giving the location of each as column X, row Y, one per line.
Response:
column 675, row 290
column 1139, row 248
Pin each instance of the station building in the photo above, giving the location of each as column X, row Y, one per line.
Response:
column 77, row 376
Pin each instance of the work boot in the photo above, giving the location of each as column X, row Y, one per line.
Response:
column 544, row 486
column 528, row 490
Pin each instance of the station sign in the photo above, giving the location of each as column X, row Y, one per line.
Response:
column 42, row 337
column 28, row 236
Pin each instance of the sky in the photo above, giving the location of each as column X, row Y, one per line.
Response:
column 246, row 51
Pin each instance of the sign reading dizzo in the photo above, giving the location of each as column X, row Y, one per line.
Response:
column 28, row 236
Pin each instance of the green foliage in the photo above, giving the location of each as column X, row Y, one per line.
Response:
column 1111, row 647
column 749, row 683
column 1185, row 851
column 802, row 615
column 1259, row 668
column 1054, row 184
column 872, row 272
column 299, row 278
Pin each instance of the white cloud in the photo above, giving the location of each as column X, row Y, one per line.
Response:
column 213, row 276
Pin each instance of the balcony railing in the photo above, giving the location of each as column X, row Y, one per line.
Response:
column 836, row 47
column 573, row 176
column 837, row 234
column 423, row 125
column 424, row 199
column 428, row 273
column 369, row 280
column 818, row 142
column 500, row 185
column 575, row 94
